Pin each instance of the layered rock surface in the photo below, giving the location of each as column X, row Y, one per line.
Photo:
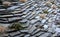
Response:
column 40, row 24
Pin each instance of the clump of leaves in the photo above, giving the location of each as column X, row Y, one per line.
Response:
column 53, row 2
column 46, row 12
column 17, row 26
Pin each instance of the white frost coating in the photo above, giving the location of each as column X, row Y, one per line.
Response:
column 57, row 30
column 13, row 7
column 45, row 26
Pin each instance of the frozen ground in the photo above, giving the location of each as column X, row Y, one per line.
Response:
column 40, row 24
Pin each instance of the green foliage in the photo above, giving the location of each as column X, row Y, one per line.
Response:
column 53, row 2
column 17, row 26
column 46, row 12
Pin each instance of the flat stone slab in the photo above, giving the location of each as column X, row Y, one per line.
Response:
column 45, row 35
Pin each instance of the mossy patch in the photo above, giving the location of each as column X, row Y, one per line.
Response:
column 46, row 12
column 17, row 26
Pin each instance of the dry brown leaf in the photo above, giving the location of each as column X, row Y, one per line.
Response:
column 6, row 3
column 42, row 15
column 22, row 0
column 54, row 6
column 2, row 29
